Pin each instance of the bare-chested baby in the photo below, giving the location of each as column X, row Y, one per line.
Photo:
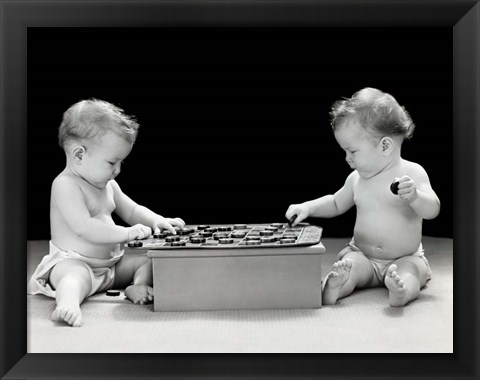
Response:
column 86, row 254
column 386, row 248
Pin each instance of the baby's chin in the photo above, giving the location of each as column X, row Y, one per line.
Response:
column 366, row 175
column 99, row 185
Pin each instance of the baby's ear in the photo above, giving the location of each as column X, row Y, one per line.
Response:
column 387, row 145
column 78, row 153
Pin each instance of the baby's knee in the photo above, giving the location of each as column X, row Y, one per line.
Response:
column 71, row 272
column 144, row 262
column 410, row 265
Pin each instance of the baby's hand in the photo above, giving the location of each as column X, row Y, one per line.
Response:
column 139, row 231
column 167, row 224
column 407, row 188
column 300, row 210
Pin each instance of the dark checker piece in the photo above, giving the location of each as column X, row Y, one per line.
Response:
column 292, row 219
column 394, row 187
column 185, row 231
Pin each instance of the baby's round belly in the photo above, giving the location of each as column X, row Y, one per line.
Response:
column 84, row 248
column 387, row 239
column 100, row 251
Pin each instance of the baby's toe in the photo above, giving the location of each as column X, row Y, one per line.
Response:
column 77, row 322
column 348, row 263
column 391, row 269
column 70, row 318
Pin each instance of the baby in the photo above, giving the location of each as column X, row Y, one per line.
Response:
column 86, row 253
column 386, row 248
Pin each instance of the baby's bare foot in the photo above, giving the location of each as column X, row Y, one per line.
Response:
column 335, row 280
column 68, row 313
column 141, row 294
column 397, row 292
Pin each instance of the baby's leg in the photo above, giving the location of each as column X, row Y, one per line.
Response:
column 353, row 271
column 139, row 268
column 72, row 282
column 404, row 279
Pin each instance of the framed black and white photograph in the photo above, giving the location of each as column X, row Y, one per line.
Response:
column 236, row 103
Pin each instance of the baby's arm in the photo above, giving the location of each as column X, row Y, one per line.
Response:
column 68, row 198
column 327, row 206
column 419, row 193
column 133, row 213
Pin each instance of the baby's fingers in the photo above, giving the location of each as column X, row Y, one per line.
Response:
column 147, row 231
column 291, row 211
column 177, row 222
column 167, row 226
column 143, row 232
column 299, row 217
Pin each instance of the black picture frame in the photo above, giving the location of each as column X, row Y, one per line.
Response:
column 463, row 17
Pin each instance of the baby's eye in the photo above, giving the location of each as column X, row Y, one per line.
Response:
column 111, row 163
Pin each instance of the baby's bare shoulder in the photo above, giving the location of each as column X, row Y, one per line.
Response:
column 64, row 182
column 412, row 168
column 352, row 179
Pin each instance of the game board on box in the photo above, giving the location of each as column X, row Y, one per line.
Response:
column 237, row 236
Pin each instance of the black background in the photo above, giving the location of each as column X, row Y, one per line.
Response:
column 234, row 121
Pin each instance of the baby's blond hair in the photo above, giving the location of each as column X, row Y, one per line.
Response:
column 92, row 118
column 374, row 110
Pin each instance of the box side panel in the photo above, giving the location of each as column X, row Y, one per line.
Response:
column 251, row 282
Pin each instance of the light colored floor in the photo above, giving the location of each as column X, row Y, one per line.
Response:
column 362, row 322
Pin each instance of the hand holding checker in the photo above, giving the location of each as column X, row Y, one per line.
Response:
column 296, row 213
column 405, row 187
